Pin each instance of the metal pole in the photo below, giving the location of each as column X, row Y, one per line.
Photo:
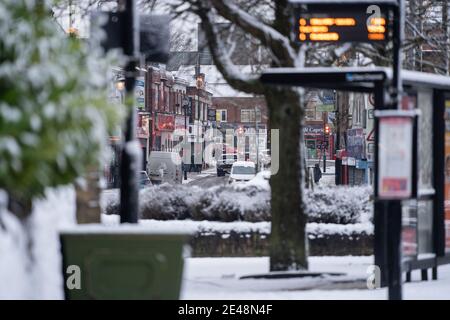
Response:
column 129, row 195
column 394, row 207
column 257, row 140
column 338, row 162
column 394, row 253
column 325, row 121
column 185, row 138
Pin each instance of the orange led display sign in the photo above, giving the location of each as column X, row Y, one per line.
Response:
column 342, row 23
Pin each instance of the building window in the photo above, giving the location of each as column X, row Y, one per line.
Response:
column 195, row 102
column 157, row 97
column 161, row 97
column 166, row 98
column 221, row 115
column 248, row 115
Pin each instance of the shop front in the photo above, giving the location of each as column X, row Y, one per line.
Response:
column 143, row 135
column 164, row 129
column 315, row 141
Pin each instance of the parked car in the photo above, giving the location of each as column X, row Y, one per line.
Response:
column 242, row 171
column 224, row 164
column 225, row 159
column 164, row 166
column 144, row 180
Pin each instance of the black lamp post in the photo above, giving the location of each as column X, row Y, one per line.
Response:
column 129, row 192
column 185, row 107
column 146, row 36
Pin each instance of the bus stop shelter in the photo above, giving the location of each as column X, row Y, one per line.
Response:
column 425, row 229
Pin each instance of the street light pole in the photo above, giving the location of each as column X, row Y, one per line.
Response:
column 324, row 143
column 257, row 139
column 185, row 106
column 129, row 194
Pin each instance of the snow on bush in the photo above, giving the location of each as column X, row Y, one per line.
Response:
column 164, row 202
column 54, row 111
column 220, row 203
column 340, row 204
column 54, row 123
column 247, row 202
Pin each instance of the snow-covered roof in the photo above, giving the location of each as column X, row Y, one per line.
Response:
column 328, row 69
column 334, row 2
column 425, row 79
column 215, row 83
column 413, row 78
column 244, row 164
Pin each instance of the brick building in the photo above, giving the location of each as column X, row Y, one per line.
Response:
column 166, row 98
column 240, row 111
column 243, row 116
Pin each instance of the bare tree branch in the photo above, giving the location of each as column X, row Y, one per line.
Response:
column 278, row 43
column 221, row 58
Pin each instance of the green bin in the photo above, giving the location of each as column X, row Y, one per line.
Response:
column 122, row 262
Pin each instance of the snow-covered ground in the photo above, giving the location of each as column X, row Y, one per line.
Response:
column 30, row 259
column 38, row 276
column 218, row 278
column 194, row 176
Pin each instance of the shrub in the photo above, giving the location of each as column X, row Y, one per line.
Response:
column 339, row 205
column 54, row 112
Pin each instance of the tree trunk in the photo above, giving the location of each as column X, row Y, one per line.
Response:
column 88, row 197
column 288, row 247
column 19, row 206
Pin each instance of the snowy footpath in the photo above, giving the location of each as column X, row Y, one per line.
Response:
column 37, row 275
column 218, row 278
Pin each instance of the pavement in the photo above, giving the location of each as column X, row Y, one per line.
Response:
column 220, row 278
column 208, row 178
column 205, row 179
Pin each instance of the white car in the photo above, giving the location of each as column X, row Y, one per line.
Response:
column 242, row 171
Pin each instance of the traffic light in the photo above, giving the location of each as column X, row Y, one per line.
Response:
column 326, row 129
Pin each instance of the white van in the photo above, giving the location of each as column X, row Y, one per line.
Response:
column 242, row 171
column 164, row 166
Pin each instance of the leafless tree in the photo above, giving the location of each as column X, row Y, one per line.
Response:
column 270, row 25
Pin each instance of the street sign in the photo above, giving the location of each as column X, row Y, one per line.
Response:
column 211, row 114
column 185, row 101
column 336, row 21
column 189, row 110
column 371, row 135
column 325, row 107
column 395, row 155
column 139, row 93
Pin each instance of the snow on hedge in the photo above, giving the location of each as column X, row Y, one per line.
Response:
column 247, row 202
column 340, row 204
column 207, row 227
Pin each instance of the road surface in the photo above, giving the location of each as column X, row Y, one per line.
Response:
column 206, row 179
